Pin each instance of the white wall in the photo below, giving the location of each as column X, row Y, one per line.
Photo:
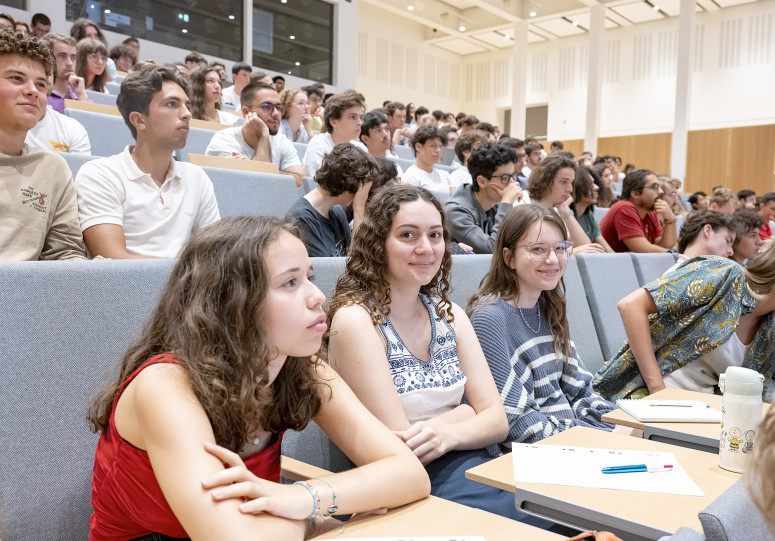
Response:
column 393, row 63
column 732, row 82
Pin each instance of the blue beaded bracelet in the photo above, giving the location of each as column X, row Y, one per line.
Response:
column 334, row 507
column 315, row 497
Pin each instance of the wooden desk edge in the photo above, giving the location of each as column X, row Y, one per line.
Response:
column 297, row 470
column 474, row 475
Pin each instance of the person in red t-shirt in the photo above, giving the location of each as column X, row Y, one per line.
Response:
column 230, row 357
column 632, row 223
column 767, row 213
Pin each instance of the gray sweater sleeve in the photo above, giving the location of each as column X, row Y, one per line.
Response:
column 465, row 226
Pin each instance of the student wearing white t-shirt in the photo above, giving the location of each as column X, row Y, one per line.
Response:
column 59, row 133
column 240, row 75
column 427, row 143
column 375, row 136
column 342, row 117
column 258, row 139
column 141, row 203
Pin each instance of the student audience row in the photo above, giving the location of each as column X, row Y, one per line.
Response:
column 458, row 385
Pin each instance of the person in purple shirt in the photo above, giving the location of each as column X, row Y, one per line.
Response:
column 67, row 85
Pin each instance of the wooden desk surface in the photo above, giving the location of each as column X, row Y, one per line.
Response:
column 436, row 517
column 664, row 511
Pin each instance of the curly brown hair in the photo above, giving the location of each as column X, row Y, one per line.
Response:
column 28, row 47
column 758, row 479
column 501, row 282
column 365, row 280
column 206, row 317
column 539, row 185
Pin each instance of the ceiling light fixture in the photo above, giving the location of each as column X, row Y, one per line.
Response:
column 184, row 31
column 410, row 6
column 107, row 11
column 575, row 23
column 532, row 13
column 462, row 27
column 655, row 8
column 507, row 36
column 298, row 63
column 231, row 17
column 292, row 37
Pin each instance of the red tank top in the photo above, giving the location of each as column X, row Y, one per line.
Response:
column 127, row 499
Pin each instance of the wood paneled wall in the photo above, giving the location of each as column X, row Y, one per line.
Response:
column 734, row 157
column 648, row 151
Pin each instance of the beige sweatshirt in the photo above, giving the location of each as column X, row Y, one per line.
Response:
column 38, row 208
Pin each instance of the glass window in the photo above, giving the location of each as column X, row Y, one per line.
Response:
column 294, row 37
column 18, row 4
column 205, row 26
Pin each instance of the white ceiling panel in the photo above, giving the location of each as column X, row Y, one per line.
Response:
column 460, row 4
column 584, row 19
column 532, row 37
column 559, row 27
column 673, row 7
column 638, row 12
column 495, row 39
column 727, row 3
column 461, row 46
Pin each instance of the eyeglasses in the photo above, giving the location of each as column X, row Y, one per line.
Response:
column 654, row 186
column 269, row 107
column 540, row 250
column 98, row 57
column 506, row 178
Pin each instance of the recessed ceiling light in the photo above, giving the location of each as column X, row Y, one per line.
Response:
column 507, row 36
column 292, row 37
column 231, row 17
column 462, row 28
column 184, row 31
column 107, row 11
column 289, row 72
column 656, row 8
column 298, row 63
column 532, row 13
column 575, row 23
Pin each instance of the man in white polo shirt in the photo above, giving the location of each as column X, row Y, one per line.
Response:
column 258, row 139
column 141, row 203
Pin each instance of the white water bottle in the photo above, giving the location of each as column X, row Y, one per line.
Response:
column 741, row 413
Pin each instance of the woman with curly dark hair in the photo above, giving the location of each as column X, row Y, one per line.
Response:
column 409, row 353
column 225, row 365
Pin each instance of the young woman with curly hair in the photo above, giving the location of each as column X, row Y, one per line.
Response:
column 518, row 314
column 226, row 364
column 204, row 89
column 409, row 353
column 551, row 184
column 296, row 118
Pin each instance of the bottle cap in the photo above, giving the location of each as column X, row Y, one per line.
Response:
column 741, row 381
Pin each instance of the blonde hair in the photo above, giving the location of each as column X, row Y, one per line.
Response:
column 758, row 479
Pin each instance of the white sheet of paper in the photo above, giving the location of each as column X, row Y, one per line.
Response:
column 582, row 467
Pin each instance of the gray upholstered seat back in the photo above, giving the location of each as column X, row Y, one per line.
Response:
column 582, row 326
column 108, row 134
column 649, row 267
column 64, row 328
column 256, row 194
column 607, row 279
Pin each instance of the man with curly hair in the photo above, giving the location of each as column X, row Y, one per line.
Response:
column 38, row 208
column 344, row 178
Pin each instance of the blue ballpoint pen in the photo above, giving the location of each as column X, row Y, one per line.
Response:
column 634, row 468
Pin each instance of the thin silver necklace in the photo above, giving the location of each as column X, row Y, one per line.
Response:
column 535, row 331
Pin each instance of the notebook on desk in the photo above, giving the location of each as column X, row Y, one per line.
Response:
column 670, row 411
